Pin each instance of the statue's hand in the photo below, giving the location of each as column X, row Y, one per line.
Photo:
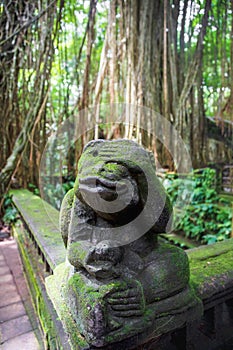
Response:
column 127, row 302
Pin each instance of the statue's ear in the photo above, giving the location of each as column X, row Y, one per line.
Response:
column 65, row 215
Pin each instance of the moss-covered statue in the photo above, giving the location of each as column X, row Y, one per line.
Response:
column 124, row 285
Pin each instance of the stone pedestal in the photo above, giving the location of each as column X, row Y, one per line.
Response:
column 95, row 326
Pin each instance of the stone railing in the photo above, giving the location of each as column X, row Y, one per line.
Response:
column 42, row 251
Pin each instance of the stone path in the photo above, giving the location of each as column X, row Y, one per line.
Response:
column 18, row 327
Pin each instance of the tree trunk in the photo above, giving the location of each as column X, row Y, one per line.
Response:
column 24, row 107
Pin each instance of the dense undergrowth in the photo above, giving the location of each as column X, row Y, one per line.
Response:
column 207, row 217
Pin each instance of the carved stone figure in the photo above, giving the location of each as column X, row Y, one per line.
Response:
column 124, row 282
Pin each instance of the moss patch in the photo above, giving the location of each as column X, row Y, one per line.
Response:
column 34, row 271
column 211, row 268
column 54, row 285
column 42, row 220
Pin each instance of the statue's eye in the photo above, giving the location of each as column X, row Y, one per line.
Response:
column 95, row 153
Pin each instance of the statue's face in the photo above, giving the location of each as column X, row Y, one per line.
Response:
column 109, row 192
column 106, row 185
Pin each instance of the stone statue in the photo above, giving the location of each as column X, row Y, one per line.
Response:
column 124, row 284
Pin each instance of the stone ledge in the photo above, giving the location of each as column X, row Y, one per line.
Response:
column 54, row 335
column 41, row 219
column 211, row 269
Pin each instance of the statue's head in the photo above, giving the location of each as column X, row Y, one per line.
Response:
column 114, row 179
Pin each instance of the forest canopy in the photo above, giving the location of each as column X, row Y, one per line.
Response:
column 58, row 58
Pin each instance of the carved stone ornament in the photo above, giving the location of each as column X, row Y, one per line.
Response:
column 124, row 283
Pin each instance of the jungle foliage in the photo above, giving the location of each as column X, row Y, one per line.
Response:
column 175, row 57
column 207, row 218
column 59, row 57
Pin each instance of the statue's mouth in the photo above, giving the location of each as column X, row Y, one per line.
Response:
column 107, row 189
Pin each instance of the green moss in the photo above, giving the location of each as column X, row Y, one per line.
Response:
column 203, row 269
column 32, row 268
column 80, row 288
column 92, row 294
column 70, row 198
column 54, row 285
column 42, row 220
column 211, row 250
column 211, row 267
column 76, row 250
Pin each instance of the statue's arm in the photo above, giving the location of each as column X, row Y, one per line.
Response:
column 76, row 229
column 166, row 266
column 65, row 215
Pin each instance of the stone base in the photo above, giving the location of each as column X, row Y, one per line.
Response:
column 158, row 319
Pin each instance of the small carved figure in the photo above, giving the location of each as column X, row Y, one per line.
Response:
column 124, row 281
